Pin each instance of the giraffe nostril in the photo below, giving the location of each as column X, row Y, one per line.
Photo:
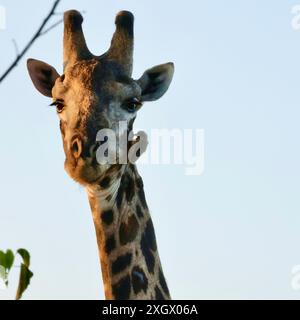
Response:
column 76, row 148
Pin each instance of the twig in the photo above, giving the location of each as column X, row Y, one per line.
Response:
column 38, row 33
column 51, row 27
column 16, row 46
column 57, row 22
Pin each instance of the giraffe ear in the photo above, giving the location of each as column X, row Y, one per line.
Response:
column 156, row 81
column 42, row 75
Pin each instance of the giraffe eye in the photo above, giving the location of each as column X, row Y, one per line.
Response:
column 59, row 105
column 59, row 108
column 132, row 105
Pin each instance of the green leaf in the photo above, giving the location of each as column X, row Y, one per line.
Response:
column 24, row 280
column 25, row 256
column 2, row 274
column 7, row 259
column 2, row 259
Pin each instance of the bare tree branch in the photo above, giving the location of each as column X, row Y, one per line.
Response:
column 16, row 46
column 38, row 33
column 51, row 27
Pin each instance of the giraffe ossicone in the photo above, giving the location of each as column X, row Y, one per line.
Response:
column 95, row 93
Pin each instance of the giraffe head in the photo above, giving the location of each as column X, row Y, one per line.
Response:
column 96, row 92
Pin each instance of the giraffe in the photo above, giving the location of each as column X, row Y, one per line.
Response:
column 92, row 93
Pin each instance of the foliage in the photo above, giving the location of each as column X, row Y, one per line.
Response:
column 6, row 262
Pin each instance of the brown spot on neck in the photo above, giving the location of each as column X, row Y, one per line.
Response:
column 128, row 230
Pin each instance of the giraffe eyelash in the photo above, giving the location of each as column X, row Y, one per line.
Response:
column 59, row 103
column 56, row 102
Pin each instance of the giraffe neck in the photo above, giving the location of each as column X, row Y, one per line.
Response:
column 130, row 263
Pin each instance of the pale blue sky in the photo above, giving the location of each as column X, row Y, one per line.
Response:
column 233, row 232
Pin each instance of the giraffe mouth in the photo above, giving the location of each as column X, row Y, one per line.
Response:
column 84, row 170
column 87, row 171
column 86, row 165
